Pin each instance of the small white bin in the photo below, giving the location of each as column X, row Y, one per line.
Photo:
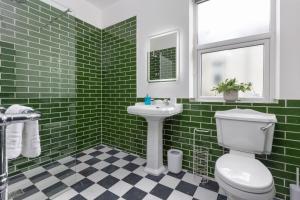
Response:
column 175, row 161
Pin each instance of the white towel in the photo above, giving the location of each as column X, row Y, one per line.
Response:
column 14, row 135
column 22, row 137
column 31, row 145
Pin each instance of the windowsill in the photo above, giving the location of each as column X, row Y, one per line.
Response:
column 245, row 101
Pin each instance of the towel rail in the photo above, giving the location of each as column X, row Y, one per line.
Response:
column 6, row 119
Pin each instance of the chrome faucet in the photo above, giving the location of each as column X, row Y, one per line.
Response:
column 166, row 102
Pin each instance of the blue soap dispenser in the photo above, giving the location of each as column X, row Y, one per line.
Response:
column 147, row 100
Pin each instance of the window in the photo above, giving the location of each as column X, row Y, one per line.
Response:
column 236, row 40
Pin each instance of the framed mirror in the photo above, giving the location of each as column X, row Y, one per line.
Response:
column 163, row 57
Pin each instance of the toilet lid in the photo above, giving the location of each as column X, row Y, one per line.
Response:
column 244, row 173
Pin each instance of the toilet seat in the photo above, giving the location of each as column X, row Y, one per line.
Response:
column 244, row 173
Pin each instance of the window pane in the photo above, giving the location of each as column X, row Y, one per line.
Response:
column 244, row 64
column 220, row 20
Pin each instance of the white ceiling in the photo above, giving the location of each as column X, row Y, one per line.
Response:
column 102, row 4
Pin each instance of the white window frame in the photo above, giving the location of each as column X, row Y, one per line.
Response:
column 266, row 39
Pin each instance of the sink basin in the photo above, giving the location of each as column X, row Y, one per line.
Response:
column 157, row 110
column 155, row 115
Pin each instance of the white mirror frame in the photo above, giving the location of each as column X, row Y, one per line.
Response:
column 177, row 56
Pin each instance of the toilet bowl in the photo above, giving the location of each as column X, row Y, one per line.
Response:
column 244, row 178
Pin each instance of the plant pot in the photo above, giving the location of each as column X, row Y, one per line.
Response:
column 231, row 96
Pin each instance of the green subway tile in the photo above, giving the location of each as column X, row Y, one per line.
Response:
column 293, row 103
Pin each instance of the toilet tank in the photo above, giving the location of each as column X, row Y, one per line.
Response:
column 245, row 130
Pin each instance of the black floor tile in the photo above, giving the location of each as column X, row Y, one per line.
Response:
column 72, row 163
column 54, row 189
column 88, row 171
column 179, row 175
column 96, row 153
column 161, row 191
column 107, row 196
column 111, row 159
column 210, row 185
column 27, row 192
column 110, row 169
column 40, row 177
column 108, row 181
column 186, row 188
column 134, row 194
column 82, row 185
column 112, row 152
column 79, row 155
column 99, row 147
column 221, row 197
column 131, row 167
column 78, row 197
column 52, row 165
column 15, row 179
column 132, row 179
column 155, row 178
column 129, row 158
column 92, row 161
column 64, row 174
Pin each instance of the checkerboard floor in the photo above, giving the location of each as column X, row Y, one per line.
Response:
column 103, row 173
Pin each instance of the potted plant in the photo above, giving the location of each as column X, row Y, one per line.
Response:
column 230, row 89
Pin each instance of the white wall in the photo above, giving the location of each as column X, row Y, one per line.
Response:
column 290, row 49
column 155, row 17
column 81, row 9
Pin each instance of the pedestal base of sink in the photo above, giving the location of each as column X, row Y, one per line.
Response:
column 155, row 146
column 155, row 172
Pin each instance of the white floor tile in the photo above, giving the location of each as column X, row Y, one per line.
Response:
column 105, row 149
column 140, row 171
column 34, row 172
column 169, row 181
column 121, row 155
column 58, row 169
column 71, row 180
column 88, row 151
column 103, row 156
column 120, row 173
column 101, row 165
column 204, row 194
column 80, row 167
column 97, row 176
column 176, row 195
column 38, row 195
column 146, row 184
column 67, row 195
column 151, row 197
column 120, row 188
column 93, row 192
column 121, row 163
column 192, row 179
column 139, row 161
column 84, row 158
column 47, row 182
column 66, row 160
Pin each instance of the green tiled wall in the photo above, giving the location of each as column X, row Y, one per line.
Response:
column 129, row 132
column 56, row 70
column 163, row 64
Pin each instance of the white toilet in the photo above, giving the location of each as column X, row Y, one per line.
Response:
column 245, row 133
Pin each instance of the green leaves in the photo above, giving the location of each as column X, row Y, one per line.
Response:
column 232, row 85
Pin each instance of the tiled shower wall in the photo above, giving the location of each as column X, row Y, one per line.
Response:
column 129, row 132
column 56, row 70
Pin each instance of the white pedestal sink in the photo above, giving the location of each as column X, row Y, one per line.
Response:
column 155, row 115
